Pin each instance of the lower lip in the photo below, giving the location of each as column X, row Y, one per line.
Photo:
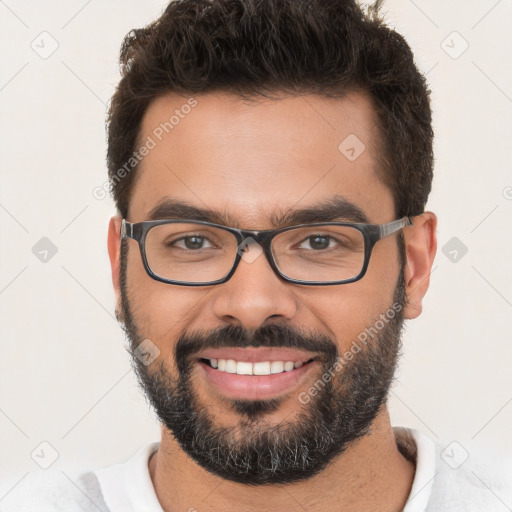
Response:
column 256, row 387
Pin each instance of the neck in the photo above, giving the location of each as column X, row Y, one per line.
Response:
column 370, row 475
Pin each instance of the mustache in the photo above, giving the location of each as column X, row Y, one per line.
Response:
column 233, row 336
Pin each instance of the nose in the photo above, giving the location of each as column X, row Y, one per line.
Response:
column 255, row 294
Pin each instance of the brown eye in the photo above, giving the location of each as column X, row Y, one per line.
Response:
column 192, row 243
column 318, row 242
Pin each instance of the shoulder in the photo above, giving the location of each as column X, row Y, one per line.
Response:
column 51, row 492
column 454, row 476
column 469, row 480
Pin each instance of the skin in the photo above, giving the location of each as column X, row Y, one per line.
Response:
column 249, row 160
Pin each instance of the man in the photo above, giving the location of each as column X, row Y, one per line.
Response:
column 270, row 162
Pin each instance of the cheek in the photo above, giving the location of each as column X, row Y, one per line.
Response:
column 345, row 314
column 160, row 311
column 345, row 311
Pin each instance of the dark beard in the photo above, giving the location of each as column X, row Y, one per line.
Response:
column 254, row 452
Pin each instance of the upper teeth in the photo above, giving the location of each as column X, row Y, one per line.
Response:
column 260, row 368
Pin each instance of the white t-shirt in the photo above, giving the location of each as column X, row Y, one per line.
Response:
column 446, row 480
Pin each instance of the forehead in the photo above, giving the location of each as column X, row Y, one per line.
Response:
column 253, row 160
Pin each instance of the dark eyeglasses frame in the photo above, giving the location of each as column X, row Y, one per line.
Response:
column 372, row 233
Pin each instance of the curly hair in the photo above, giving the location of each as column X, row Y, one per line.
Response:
column 261, row 47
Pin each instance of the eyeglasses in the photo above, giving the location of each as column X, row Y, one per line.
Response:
column 198, row 253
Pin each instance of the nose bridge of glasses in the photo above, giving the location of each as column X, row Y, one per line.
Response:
column 253, row 244
column 262, row 238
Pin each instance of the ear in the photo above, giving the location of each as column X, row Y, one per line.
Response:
column 421, row 246
column 114, row 253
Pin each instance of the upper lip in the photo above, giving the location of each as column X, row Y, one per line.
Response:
column 257, row 354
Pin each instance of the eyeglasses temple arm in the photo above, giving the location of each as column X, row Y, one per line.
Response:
column 391, row 227
column 126, row 229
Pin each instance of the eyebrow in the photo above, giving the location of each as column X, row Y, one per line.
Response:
column 337, row 208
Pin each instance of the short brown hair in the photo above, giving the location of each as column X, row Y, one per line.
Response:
column 259, row 47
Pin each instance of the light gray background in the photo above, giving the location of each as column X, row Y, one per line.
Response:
column 65, row 376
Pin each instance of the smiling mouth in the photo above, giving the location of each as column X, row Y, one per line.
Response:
column 256, row 373
column 257, row 368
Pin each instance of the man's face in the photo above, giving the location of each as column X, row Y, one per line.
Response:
column 251, row 163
